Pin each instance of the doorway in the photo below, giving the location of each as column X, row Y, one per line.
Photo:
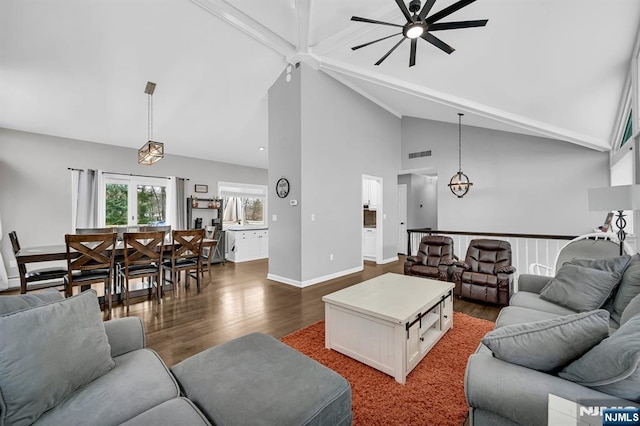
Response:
column 402, row 218
column 372, row 218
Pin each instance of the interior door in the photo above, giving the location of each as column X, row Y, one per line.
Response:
column 402, row 216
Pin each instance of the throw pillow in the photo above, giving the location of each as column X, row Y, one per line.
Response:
column 613, row 264
column 24, row 301
column 580, row 288
column 47, row 353
column 629, row 288
column 632, row 309
column 612, row 366
column 549, row 345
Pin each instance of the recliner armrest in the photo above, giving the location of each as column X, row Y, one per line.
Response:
column 125, row 335
column 463, row 265
column 506, row 270
column 414, row 259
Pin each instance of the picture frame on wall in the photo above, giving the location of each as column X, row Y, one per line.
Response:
column 201, row 188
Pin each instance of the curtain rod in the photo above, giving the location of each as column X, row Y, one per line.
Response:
column 127, row 174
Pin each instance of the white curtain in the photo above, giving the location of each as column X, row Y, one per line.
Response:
column 177, row 203
column 86, row 196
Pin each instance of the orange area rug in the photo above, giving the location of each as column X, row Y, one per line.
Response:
column 433, row 393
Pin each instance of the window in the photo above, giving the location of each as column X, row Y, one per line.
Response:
column 134, row 200
column 244, row 204
column 628, row 129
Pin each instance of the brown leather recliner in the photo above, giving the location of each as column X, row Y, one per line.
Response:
column 486, row 273
column 435, row 258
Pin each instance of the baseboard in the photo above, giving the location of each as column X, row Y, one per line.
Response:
column 313, row 281
column 389, row 260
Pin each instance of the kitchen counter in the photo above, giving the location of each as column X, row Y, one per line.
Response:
column 246, row 228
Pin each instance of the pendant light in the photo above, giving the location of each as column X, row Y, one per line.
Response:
column 459, row 183
column 152, row 151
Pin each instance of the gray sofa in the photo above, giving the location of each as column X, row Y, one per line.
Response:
column 60, row 364
column 504, row 393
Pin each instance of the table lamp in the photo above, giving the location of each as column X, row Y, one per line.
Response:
column 618, row 198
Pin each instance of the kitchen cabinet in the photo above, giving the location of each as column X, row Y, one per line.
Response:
column 369, row 243
column 247, row 244
column 370, row 193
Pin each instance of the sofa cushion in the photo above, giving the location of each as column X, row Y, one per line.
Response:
column 172, row 412
column 510, row 315
column 632, row 309
column 629, row 288
column 549, row 344
column 48, row 352
column 12, row 304
column 525, row 299
column 613, row 366
column 139, row 381
column 580, row 288
column 612, row 264
column 264, row 382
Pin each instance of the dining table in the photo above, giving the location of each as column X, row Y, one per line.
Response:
column 51, row 253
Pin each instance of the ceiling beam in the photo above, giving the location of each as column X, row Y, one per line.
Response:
column 248, row 25
column 303, row 8
column 333, row 67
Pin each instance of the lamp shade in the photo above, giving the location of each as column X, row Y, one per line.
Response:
column 150, row 152
column 624, row 197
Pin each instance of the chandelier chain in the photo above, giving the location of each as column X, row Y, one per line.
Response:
column 150, row 116
column 460, row 142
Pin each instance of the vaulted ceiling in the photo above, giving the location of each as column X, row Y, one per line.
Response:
column 78, row 68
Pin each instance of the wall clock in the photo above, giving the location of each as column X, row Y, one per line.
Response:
column 282, row 187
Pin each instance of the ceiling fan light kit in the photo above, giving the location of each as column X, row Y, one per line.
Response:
column 459, row 183
column 152, row 151
column 420, row 26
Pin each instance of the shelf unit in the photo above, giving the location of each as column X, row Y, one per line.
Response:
column 208, row 209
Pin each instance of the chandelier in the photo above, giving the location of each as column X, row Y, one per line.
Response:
column 152, row 151
column 459, row 183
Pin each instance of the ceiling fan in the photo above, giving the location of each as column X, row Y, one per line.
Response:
column 420, row 26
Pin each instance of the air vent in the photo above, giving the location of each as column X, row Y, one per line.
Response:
column 420, row 154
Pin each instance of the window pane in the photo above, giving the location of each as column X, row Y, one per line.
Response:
column 253, row 211
column 117, row 202
column 628, row 128
column 152, row 205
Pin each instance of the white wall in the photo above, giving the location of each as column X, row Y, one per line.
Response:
column 343, row 136
column 35, row 185
column 522, row 184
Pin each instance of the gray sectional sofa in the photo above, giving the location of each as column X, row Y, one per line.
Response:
column 60, row 364
column 560, row 344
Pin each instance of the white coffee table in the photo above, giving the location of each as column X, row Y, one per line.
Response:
column 389, row 322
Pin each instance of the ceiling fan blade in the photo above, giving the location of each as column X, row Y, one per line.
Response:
column 426, row 9
column 412, row 57
column 448, row 11
column 438, row 43
column 390, row 51
column 405, row 11
column 457, row 25
column 374, row 41
column 373, row 21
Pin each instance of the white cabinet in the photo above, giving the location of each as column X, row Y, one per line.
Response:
column 245, row 245
column 370, row 193
column 369, row 243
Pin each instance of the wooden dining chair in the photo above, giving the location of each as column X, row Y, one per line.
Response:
column 44, row 277
column 210, row 245
column 142, row 259
column 90, row 260
column 185, row 256
column 84, row 231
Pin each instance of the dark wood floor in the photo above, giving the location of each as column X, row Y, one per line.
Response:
column 238, row 300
